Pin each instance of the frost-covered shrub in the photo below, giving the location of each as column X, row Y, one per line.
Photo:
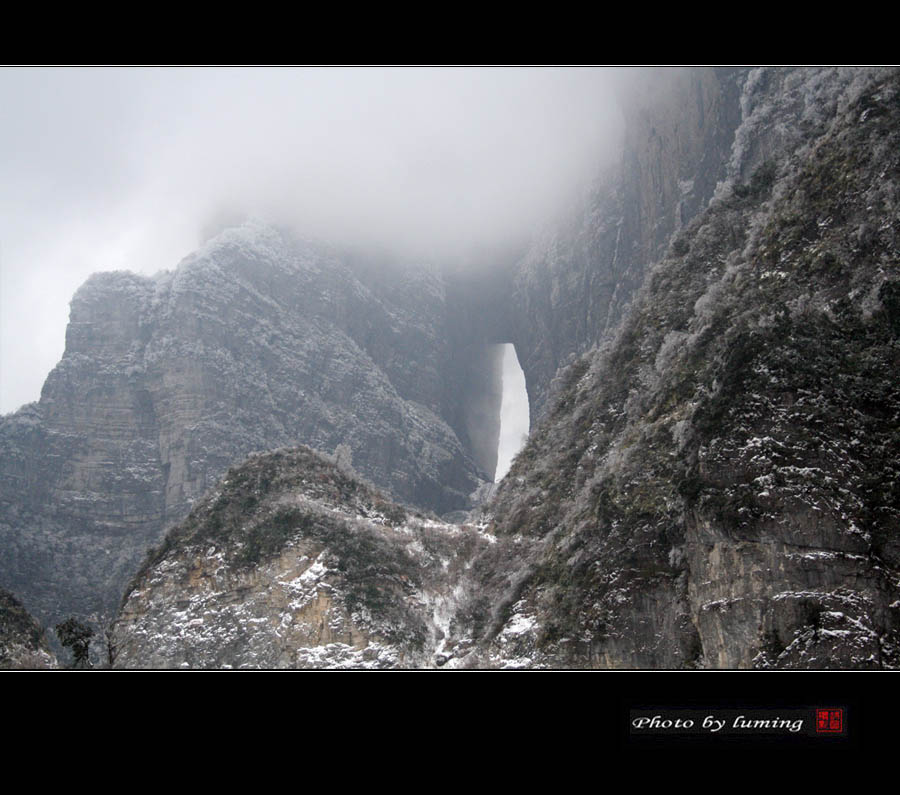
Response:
column 670, row 349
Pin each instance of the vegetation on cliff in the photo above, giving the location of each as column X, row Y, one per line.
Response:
column 717, row 486
column 22, row 640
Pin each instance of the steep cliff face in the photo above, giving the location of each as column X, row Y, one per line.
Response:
column 254, row 342
column 717, row 486
column 575, row 283
column 258, row 341
column 712, row 483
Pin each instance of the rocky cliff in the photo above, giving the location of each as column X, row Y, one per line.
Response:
column 256, row 341
column 260, row 340
column 575, row 283
column 717, row 486
column 711, row 483
column 292, row 562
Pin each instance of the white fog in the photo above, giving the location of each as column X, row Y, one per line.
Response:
column 104, row 169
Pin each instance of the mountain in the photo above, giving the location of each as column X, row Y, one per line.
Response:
column 709, row 339
column 254, row 342
column 717, row 485
column 293, row 562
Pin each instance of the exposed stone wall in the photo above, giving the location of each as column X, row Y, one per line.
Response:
column 717, row 487
column 255, row 342
column 574, row 285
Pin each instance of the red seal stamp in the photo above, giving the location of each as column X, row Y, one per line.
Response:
column 829, row 720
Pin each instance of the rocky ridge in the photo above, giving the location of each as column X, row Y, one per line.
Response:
column 293, row 562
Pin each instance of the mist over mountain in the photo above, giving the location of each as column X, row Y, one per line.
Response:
column 282, row 451
column 132, row 169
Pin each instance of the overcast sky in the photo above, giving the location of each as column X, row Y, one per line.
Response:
column 514, row 420
column 104, row 169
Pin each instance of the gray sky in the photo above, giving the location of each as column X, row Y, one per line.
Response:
column 513, row 412
column 104, row 169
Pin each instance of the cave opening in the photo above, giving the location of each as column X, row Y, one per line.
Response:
column 514, row 411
